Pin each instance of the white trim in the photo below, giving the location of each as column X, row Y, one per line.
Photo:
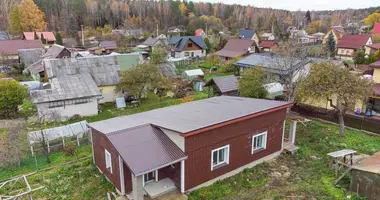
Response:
column 156, row 176
column 121, row 167
column 227, row 154
column 283, row 135
column 92, row 146
column 265, row 141
column 162, row 166
column 183, row 176
column 110, row 160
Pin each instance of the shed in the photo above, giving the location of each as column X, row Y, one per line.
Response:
column 224, row 85
column 192, row 74
column 366, row 177
column 274, row 90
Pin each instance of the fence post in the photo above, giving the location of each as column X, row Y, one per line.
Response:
column 78, row 141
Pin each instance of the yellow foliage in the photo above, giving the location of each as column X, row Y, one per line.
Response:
column 372, row 19
column 31, row 17
column 182, row 8
column 376, row 38
column 187, row 99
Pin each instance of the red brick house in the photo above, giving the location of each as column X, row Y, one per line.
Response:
column 268, row 45
column 187, row 146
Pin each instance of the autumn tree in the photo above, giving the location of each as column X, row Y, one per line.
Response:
column 341, row 88
column 251, row 83
column 11, row 96
column 137, row 81
column 15, row 21
column 31, row 17
column 158, row 55
column 372, row 19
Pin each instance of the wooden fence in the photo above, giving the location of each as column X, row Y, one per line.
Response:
column 361, row 122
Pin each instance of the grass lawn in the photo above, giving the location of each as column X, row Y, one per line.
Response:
column 302, row 176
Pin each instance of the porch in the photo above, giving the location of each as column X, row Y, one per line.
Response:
column 289, row 141
column 163, row 189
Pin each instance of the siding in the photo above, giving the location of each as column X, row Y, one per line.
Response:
column 193, row 47
column 239, row 137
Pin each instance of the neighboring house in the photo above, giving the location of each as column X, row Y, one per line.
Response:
column 187, row 146
column 301, row 36
column 70, row 42
column 105, row 71
column 349, row 44
column 30, row 56
column 223, row 85
column 291, row 28
column 109, row 46
column 235, row 48
column 192, row 74
column 68, row 96
column 152, row 42
column 268, row 46
column 134, row 32
column 96, row 50
column 57, row 51
column 4, row 35
column 372, row 48
column 9, row 48
column 318, row 36
column 249, row 35
column 376, row 29
column 187, row 46
column 48, row 36
column 365, row 179
column 337, row 31
column 200, row 32
column 374, row 101
column 174, row 29
column 267, row 36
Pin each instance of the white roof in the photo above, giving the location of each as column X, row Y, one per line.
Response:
column 194, row 72
column 274, row 87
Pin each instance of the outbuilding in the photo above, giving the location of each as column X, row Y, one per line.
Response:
column 192, row 74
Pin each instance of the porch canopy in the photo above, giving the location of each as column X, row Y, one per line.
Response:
column 145, row 148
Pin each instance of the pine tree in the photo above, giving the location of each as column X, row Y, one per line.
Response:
column 73, row 28
column 58, row 38
column 32, row 18
column 43, row 39
column 331, row 44
column 308, row 17
column 15, row 21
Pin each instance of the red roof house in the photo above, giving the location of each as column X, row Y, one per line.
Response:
column 268, row 45
column 372, row 48
column 200, row 32
column 235, row 48
column 348, row 44
column 48, row 36
column 376, row 29
column 11, row 47
column 187, row 146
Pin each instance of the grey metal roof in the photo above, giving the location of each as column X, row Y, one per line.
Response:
column 225, row 83
column 191, row 116
column 103, row 69
column 151, row 41
column 54, row 51
column 145, row 148
column 36, row 67
column 108, row 44
column 68, row 87
column 4, row 35
column 179, row 42
column 246, row 34
column 30, row 56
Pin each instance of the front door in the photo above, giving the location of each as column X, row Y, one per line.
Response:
column 149, row 177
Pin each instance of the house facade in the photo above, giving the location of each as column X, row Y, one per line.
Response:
column 268, row 46
column 349, row 44
column 337, row 32
column 249, row 35
column 187, row 46
column 236, row 48
column 196, row 153
column 267, row 36
column 372, row 48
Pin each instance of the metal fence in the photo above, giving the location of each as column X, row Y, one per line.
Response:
column 371, row 124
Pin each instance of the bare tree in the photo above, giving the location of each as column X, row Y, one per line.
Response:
column 12, row 141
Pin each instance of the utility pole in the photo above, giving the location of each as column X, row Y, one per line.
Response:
column 157, row 31
column 82, row 35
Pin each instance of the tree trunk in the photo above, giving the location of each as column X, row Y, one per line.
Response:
column 341, row 124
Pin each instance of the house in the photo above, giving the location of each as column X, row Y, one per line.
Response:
column 57, row 51
column 374, row 101
column 68, row 96
column 318, row 36
column 48, row 36
column 372, row 48
column 268, row 46
column 337, row 32
column 187, row 46
column 223, row 85
column 249, row 35
column 192, row 74
column 365, row 179
column 267, row 36
column 4, row 35
column 187, row 146
column 96, row 50
column 105, row 71
column 30, row 56
column 349, row 44
column 70, row 42
column 109, row 46
column 236, row 48
column 200, row 32
column 174, row 29
column 376, row 29
column 152, row 42
column 9, row 48
column 291, row 28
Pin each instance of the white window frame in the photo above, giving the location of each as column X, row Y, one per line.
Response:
column 227, row 157
column 108, row 162
column 265, row 141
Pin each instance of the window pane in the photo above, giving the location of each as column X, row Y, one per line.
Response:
column 259, row 141
column 221, row 155
column 215, row 158
column 255, row 143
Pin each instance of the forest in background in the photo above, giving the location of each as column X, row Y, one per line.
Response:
column 67, row 15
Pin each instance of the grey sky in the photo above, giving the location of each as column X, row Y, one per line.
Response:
column 303, row 4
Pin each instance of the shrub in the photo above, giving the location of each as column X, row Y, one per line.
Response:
column 70, row 149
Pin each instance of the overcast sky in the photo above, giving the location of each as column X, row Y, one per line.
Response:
column 304, row 4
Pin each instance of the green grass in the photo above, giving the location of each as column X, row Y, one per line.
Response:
column 303, row 176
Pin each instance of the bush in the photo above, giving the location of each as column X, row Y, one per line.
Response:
column 70, row 149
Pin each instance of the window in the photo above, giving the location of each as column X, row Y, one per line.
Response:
column 108, row 161
column 259, row 142
column 189, row 44
column 186, row 53
column 220, row 157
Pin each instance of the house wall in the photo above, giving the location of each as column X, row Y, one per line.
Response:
column 366, row 184
column 199, row 53
column 343, row 52
column 67, row 111
column 175, row 137
column 64, row 54
column 109, row 94
column 255, row 38
column 173, row 172
column 239, row 136
column 193, row 46
column 376, row 75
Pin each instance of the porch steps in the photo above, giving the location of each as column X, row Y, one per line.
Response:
column 155, row 189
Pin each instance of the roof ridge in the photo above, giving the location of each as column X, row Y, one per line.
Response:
column 128, row 129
